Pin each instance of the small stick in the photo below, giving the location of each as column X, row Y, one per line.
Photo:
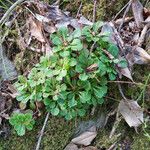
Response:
column 121, row 10
column 143, row 34
column 112, row 146
column 57, row 2
column 126, row 11
column 94, row 11
column 42, row 132
column 125, row 82
column 116, row 123
column 121, row 92
column 79, row 10
column 9, row 11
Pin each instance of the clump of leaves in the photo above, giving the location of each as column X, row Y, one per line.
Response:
column 21, row 122
column 75, row 77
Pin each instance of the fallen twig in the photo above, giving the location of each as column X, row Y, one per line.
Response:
column 8, row 12
column 94, row 11
column 116, row 123
column 79, row 10
column 42, row 132
column 125, row 82
column 113, row 146
column 121, row 92
column 143, row 34
column 121, row 10
column 125, row 13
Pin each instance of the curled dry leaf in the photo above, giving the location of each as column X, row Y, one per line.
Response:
column 138, row 56
column 125, row 72
column 132, row 112
column 86, row 137
column 138, row 10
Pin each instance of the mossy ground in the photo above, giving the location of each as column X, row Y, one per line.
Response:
column 57, row 134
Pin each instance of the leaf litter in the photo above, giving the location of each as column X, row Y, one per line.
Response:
column 132, row 40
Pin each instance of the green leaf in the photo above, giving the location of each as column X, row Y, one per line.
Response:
column 63, row 31
column 64, row 54
column 83, row 77
column 78, row 68
column 97, row 25
column 24, row 97
column 30, row 126
column 100, row 91
column 102, row 68
column 100, row 100
column 56, row 72
column 76, row 45
column 63, row 87
column 55, row 111
column 85, row 96
column 72, row 102
column 57, row 48
column 56, row 40
column 81, row 112
column 86, row 30
column 73, row 62
column 68, row 116
column 113, row 49
column 76, row 33
column 112, row 76
column 63, row 73
column 20, row 130
column 123, row 63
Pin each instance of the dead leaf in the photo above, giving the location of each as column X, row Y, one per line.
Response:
column 138, row 56
column 84, row 21
column 85, row 138
column 125, row 72
column 36, row 29
column 138, row 10
column 71, row 146
column 13, row 91
column 132, row 112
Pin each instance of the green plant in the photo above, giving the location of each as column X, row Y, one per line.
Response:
column 75, row 77
column 21, row 122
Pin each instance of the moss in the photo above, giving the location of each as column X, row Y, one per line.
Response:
column 57, row 134
column 141, row 143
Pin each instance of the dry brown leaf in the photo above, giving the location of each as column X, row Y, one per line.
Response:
column 138, row 10
column 85, row 138
column 84, row 21
column 13, row 91
column 71, row 146
column 132, row 112
column 125, row 72
column 138, row 56
column 36, row 29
